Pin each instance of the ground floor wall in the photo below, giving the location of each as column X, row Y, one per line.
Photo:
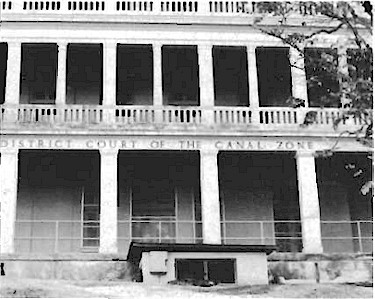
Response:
column 69, row 199
column 322, row 268
column 62, row 214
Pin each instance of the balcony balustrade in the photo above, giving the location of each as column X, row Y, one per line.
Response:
column 13, row 10
column 150, row 117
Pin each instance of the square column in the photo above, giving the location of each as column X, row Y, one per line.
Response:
column 61, row 75
column 8, row 196
column 109, row 80
column 209, row 176
column 108, row 201
column 253, row 83
column 206, row 82
column 12, row 89
column 343, row 71
column 158, row 75
column 299, row 83
column 309, row 203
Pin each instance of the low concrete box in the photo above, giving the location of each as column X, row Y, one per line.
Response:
column 248, row 262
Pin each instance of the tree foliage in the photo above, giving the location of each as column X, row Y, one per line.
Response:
column 335, row 78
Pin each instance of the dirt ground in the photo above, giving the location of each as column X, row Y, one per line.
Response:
column 33, row 288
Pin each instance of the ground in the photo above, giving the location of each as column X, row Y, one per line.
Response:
column 34, row 288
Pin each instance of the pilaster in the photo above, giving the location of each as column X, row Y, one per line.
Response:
column 12, row 90
column 209, row 175
column 206, row 82
column 299, row 83
column 109, row 80
column 309, row 202
column 158, row 87
column 61, row 74
column 108, row 201
column 253, row 84
column 8, row 196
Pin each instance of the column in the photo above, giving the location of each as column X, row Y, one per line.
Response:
column 253, row 84
column 309, row 203
column 158, row 75
column 12, row 91
column 299, row 83
column 8, row 195
column 210, row 197
column 206, row 82
column 108, row 201
column 109, row 80
column 343, row 71
column 61, row 74
column 158, row 81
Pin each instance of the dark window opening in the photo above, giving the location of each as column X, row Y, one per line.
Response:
column 321, row 75
column 360, row 63
column 360, row 73
column 217, row 270
column 134, row 75
column 38, row 73
column 180, row 75
column 3, row 70
column 274, row 76
column 230, row 76
column 84, row 74
column 342, row 181
column 265, row 183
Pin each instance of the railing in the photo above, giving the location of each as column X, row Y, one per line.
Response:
column 232, row 115
column 50, row 114
column 158, row 230
column 335, row 236
column 225, row 117
column 285, row 234
column 58, row 236
column 64, row 236
column 72, row 9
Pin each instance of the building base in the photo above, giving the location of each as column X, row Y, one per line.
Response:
column 292, row 266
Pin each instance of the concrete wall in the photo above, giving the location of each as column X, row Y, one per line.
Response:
column 255, row 261
column 330, row 268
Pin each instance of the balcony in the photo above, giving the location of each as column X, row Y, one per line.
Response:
column 149, row 11
column 27, row 118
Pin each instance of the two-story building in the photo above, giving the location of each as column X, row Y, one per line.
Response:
column 167, row 122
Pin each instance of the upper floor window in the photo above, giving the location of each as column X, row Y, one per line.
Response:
column 3, row 70
column 84, row 83
column 274, row 76
column 230, row 76
column 134, row 75
column 180, row 75
column 321, row 67
column 38, row 73
column 360, row 63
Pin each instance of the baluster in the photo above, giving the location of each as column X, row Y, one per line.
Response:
column 359, row 236
column 56, row 236
column 159, row 231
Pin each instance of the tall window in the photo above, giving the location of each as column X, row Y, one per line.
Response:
column 274, row 76
column 180, row 75
column 3, row 70
column 230, row 76
column 38, row 73
column 321, row 74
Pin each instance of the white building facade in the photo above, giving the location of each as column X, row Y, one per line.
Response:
column 166, row 121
